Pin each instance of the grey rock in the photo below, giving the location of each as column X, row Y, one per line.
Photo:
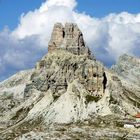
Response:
column 128, row 67
column 68, row 38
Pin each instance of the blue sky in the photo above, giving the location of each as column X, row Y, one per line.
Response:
column 10, row 10
column 101, row 8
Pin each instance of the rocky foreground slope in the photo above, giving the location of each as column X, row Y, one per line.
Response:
column 70, row 95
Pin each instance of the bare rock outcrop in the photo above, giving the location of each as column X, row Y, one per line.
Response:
column 68, row 38
column 128, row 70
column 12, row 91
column 128, row 67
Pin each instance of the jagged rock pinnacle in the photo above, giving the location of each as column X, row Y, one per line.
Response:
column 67, row 88
column 68, row 38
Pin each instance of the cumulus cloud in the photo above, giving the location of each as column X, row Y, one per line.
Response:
column 71, row 4
column 41, row 21
column 18, row 54
column 107, row 37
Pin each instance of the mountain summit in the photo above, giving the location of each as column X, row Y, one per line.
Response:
column 68, row 38
column 68, row 88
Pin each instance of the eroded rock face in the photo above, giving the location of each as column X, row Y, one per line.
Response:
column 68, row 59
column 72, row 79
column 68, row 38
column 128, row 70
column 58, row 69
column 128, row 67
column 57, row 37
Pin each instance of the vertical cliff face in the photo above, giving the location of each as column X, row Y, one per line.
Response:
column 68, row 38
column 57, row 37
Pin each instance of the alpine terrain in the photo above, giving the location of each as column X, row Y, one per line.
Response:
column 71, row 95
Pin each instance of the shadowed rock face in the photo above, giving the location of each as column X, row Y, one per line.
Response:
column 68, row 38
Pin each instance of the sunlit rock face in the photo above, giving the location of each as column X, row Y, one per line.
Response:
column 128, row 67
column 128, row 70
column 68, row 38
column 68, row 59
column 69, row 86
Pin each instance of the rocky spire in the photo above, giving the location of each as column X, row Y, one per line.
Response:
column 69, row 38
column 57, row 37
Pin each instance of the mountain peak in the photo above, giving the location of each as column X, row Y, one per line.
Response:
column 68, row 37
column 68, row 88
column 128, row 67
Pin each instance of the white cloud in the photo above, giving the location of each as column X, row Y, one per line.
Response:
column 100, row 34
column 41, row 21
column 17, row 54
column 70, row 4
column 108, row 37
